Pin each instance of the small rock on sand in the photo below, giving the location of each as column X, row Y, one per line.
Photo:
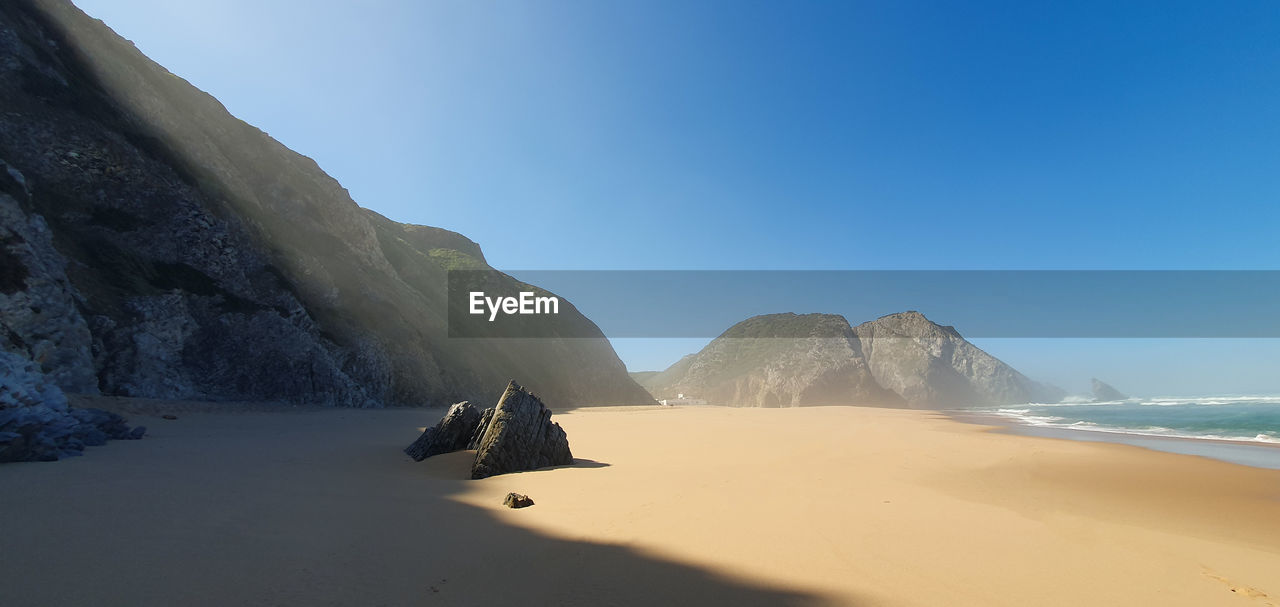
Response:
column 517, row 500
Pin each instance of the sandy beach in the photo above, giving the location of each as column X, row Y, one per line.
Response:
column 700, row 505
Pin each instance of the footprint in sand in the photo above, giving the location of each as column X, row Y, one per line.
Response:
column 1247, row 591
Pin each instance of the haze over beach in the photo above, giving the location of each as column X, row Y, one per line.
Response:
column 410, row 303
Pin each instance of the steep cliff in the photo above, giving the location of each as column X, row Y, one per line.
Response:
column 154, row 245
column 931, row 365
column 778, row 360
column 818, row 359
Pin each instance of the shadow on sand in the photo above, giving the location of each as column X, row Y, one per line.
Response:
column 580, row 462
column 316, row 508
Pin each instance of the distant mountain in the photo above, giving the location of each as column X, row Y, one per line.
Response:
column 1103, row 391
column 782, row 360
column 931, row 365
column 760, row 362
column 154, row 245
column 643, row 377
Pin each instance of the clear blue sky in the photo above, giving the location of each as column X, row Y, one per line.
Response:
column 747, row 135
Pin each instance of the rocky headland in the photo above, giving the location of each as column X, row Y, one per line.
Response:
column 788, row 360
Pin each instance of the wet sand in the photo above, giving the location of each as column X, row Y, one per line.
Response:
column 1256, row 454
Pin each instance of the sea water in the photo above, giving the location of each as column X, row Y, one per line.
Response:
column 1235, row 418
column 1196, row 426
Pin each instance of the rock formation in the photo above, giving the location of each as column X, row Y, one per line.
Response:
column 932, row 366
column 486, row 416
column 38, row 306
column 151, row 244
column 37, row 424
column 787, row 360
column 513, row 436
column 520, row 436
column 1103, row 391
column 517, row 500
column 778, row 360
column 452, row 433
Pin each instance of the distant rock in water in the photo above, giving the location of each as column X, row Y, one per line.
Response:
column 520, row 436
column 1103, row 391
column 790, row 360
column 451, row 433
column 37, row 424
column 154, row 245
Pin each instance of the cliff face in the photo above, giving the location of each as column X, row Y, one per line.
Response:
column 778, row 360
column 154, row 245
column 818, row 359
column 931, row 365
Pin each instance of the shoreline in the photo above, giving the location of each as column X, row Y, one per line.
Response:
column 1253, row 454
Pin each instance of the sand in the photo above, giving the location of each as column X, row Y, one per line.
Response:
column 704, row 506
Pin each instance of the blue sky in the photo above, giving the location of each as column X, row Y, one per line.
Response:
column 751, row 135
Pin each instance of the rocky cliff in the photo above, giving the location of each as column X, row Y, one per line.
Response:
column 819, row 359
column 151, row 244
column 931, row 365
column 778, row 360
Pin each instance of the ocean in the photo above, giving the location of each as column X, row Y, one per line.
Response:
column 1235, row 418
column 1195, row 426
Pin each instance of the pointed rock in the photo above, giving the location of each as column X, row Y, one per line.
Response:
column 485, row 418
column 1102, row 391
column 521, row 436
column 450, row 434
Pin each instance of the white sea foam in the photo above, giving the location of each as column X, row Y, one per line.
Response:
column 1243, row 418
column 1212, row 400
column 1027, row 417
column 1163, row 401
